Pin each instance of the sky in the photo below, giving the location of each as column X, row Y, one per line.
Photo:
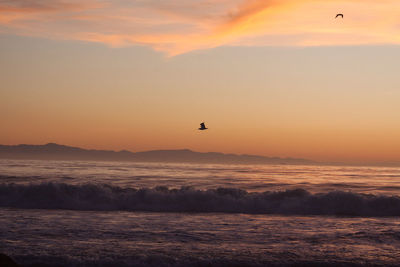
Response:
column 275, row 78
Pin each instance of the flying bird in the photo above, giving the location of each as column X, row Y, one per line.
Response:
column 202, row 126
column 339, row 15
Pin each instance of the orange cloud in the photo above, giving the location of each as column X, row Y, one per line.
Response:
column 180, row 26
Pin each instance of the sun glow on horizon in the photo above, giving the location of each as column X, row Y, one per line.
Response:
column 274, row 78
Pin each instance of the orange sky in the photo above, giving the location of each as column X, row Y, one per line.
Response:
column 276, row 78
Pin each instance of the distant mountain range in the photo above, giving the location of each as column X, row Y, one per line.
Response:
column 61, row 152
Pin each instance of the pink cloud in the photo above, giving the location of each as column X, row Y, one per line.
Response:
column 179, row 26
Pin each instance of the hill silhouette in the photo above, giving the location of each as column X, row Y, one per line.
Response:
column 62, row 152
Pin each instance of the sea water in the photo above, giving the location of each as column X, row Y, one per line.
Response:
column 75, row 213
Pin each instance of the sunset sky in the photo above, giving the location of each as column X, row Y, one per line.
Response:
column 273, row 77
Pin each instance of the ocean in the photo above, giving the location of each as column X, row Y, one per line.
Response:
column 85, row 213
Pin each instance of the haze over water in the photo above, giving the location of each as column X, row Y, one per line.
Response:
column 157, row 214
column 252, row 178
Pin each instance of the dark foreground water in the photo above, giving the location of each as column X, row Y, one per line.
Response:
column 125, row 214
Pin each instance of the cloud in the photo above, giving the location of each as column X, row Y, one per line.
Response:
column 246, row 12
column 32, row 6
column 179, row 26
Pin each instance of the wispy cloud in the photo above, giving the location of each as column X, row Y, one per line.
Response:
column 32, row 6
column 179, row 26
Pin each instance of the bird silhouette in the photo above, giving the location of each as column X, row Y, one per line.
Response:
column 202, row 127
column 339, row 15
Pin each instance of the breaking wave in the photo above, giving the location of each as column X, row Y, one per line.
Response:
column 186, row 199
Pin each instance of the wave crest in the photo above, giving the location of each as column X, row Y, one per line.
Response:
column 186, row 199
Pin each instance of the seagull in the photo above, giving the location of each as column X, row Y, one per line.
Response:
column 202, row 126
column 339, row 15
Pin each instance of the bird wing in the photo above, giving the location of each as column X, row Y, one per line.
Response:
column 202, row 125
column 339, row 15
